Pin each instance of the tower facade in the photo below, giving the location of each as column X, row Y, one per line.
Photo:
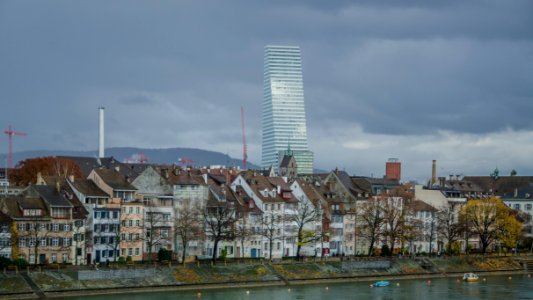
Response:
column 283, row 120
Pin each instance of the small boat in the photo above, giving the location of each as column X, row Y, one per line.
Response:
column 381, row 283
column 470, row 277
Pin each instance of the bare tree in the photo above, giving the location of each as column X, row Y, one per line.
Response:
column 431, row 231
column 187, row 225
column 413, row 230
column 371, row 219
column 448, row 226
column 270, row 229
column 35, row 236
column 78, row 237
column 242, row 232
column 6, row 236
column 112, row 241
column 219, row 220
column 153, row 226
column 305, row 214
column 394, row 218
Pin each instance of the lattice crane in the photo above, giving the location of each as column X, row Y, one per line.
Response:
column 10, row 133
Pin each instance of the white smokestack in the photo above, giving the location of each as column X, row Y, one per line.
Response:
column 101, row 133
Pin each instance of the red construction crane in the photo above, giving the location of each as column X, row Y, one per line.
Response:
column 10, row 133
column 143, row 158
column 244, row 147
column 185, row 161
column 138, row 158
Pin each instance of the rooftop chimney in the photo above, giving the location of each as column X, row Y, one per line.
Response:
column 101, row 133
column 434, row 172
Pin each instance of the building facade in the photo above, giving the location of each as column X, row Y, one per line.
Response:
column 284, row 120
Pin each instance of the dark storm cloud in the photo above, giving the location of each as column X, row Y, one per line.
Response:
column 175, row 73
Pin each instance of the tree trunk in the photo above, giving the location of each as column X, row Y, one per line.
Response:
column 215, row 248
column 484, row 245
column 270, row 250
column 299, row 245
column 371, row 247
column 392, row 243
column 184, row 251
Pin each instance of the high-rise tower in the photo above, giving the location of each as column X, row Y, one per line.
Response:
column 284, row 124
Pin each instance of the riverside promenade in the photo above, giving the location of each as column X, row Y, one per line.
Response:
column 57, row 280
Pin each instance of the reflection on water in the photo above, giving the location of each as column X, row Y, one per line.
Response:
column 495, row 287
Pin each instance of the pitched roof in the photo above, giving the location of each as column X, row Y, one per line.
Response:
column 278, row 181
column 4, row 218
column 311, row 192
column 525, row 192
column 286, row 161
column 464, row 186
column 87, row 164
column 259, row 183
column 501, row 185
column 115, row 180
column 184, row 178
column 13, row 207
column 51, row 195
column 418, row 205
column 88, row 188
column 218, row 178
column 132, row 171
column 346, row 180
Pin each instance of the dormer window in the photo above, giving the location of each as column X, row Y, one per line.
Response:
column 32, row 212
column 273, row 193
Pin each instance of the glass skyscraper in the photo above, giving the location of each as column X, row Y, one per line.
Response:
column 284, row 123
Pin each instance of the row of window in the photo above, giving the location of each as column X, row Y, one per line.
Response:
column 42, row 242
column 517, row 206
column 273, row 206
column 106, row 227
column 157, row 216
column 131, row 210
column 53, row 258
column 130, row 237
column 130, row 223
column 104, row 240
column 43, row 226
column 106, row 215
column 130, row 251
column 278, row 245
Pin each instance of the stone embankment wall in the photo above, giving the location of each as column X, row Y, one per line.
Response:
column 114, row 274
column 362, row 265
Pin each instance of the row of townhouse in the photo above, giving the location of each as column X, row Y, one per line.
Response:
column 126, row 210
column 43, row 225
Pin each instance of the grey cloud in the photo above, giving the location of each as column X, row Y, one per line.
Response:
column 176, row 73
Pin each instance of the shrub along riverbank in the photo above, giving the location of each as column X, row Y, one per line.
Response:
column 128, row 278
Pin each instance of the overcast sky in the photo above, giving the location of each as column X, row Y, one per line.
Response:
column 417, row 80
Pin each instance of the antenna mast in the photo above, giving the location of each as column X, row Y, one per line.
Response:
column 244, row 147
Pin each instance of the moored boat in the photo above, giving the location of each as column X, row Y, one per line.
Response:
column 470, row 277
column 380, row 283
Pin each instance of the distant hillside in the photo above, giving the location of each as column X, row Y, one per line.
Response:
column 199, row 157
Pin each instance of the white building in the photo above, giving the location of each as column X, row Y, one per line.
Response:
column 521, row 199
column 284, row 121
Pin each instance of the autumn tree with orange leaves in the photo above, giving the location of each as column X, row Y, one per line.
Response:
column 26, row 171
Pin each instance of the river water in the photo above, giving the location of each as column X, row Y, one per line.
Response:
column 493, row 287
